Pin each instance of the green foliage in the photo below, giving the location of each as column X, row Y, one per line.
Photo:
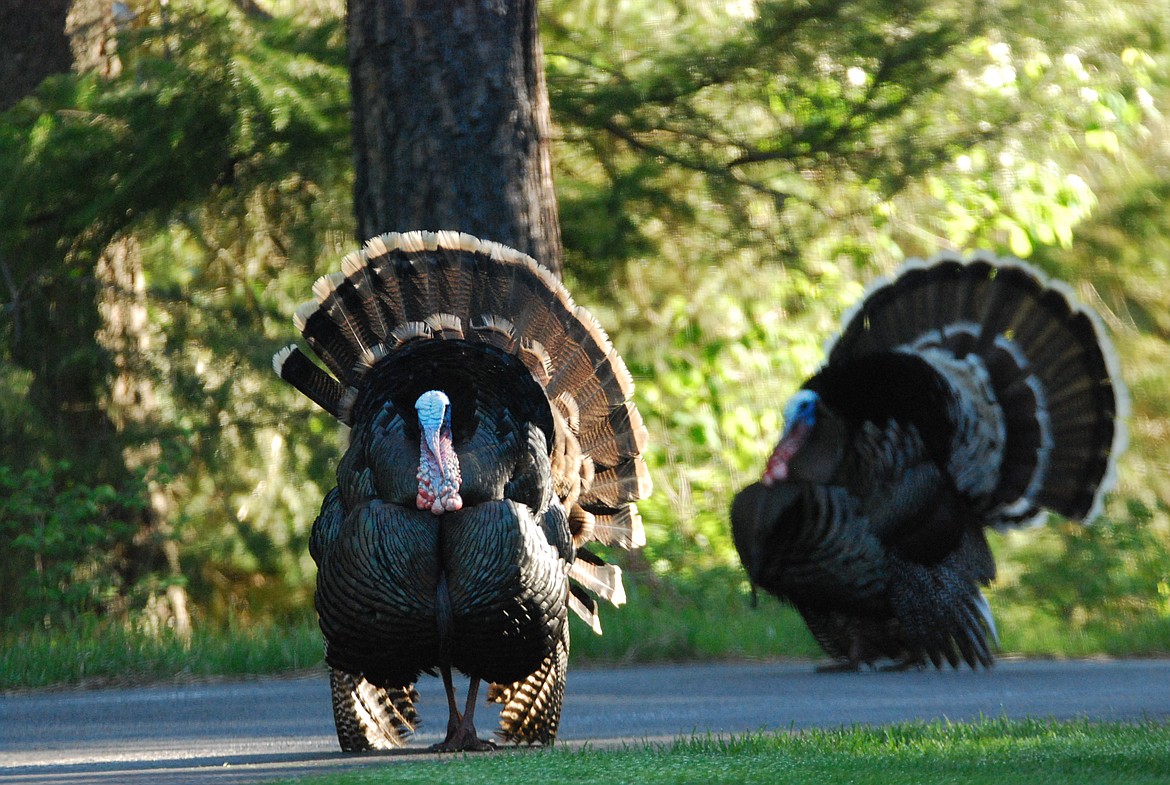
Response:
column 1081, row 590
column 711, row 364
column 730, row 176
column 85, row 160
column 670, row 619
column 65, row 547
column 226, row 274
column 842, row 132
column 224, row 147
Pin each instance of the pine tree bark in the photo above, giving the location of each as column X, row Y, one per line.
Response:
column 451, row 121
column 35, row 46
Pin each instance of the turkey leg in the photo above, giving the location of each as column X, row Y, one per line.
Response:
column 461, row 735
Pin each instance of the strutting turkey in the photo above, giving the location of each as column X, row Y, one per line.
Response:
column 961, row 395
column 492, row 435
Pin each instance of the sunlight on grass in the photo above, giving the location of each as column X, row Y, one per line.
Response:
column 709, row 617
column 96, row 653
column 704, row 619
column 983, row 753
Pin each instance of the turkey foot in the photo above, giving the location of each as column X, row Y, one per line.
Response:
column 850, row 664
column 461, row 735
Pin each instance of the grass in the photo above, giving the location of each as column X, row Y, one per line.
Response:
column 95, row 653
column 676, row 623
column 667, row 624
column 671, row 622
column 983, row 753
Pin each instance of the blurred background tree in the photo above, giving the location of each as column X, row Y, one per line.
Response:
column 729, row 177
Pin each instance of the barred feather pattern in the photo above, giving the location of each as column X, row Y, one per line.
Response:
column 941, row 611
column 550, row 447
column 854, row 640
column 531, row 710
column 812, row 546
column 368, row 717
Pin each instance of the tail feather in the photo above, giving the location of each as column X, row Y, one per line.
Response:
column 623, row 528
column 532, row 706
column 295, row 367
column 341, row 302
column 614, row 436
column 537, row 360
column 501, row 290
column 1050, row 362
column 455, row 282
column 389, row 284
column 585, row 607
column 415, row 285
column 614, row 486
column 496, row 331
column 372, row 292
column 604, row 580
column 334, row 348
column 369, row 717
column 399, row 282
column 541, row 317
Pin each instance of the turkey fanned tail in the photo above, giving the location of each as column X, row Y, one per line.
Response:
column 1024, row 361
column 960, row 395
column 492, row 437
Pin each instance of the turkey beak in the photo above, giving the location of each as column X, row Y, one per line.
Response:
column 790, row 443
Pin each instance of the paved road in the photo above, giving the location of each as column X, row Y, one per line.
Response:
column 253, row 731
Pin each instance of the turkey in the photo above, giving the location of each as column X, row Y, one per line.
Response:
column 492, row 437
column 961, row 395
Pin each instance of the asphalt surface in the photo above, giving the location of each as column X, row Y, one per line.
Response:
column 260, row 730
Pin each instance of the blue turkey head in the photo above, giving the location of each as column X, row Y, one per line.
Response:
column 438, row 464
column 811, row 445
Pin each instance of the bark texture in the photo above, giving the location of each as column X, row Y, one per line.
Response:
column 36, row 46
column 451, row 121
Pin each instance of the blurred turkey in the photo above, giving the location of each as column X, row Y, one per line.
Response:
column 960, row 395
column 492, row 436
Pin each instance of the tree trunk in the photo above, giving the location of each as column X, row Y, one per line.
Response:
column 55, row 315
column 91, row 30
column 35, row 46
column 451, row 121
column 132, row 407
column 131, row 403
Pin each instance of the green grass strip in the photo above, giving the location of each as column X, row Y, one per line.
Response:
column 109, row 653
column 990, row 752
column 669, row 622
